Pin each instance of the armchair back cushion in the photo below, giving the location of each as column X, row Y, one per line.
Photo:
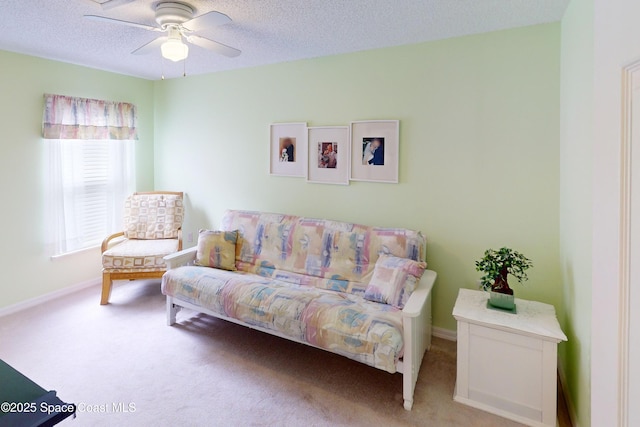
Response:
column 153, row 216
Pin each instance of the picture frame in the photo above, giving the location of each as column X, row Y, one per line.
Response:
column 375, row 150
column 329, row 154
column 288, row 149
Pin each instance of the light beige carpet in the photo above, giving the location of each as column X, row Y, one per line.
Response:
column 208, row 372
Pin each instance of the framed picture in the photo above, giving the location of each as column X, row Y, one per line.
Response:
column 374, row 150
column 288, row 150
column 329, row 152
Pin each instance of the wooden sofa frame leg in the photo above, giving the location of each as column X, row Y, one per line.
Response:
column 106, row 288
column 417, row 339
column 172, row 311
column 413, row 353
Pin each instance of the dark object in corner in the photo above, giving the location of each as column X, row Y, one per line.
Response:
column 25, row 403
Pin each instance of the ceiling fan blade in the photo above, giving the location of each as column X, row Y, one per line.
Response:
column 217, row 47
column 207, row 20
column 117, row 21
column 110, row 4
column 150, row 47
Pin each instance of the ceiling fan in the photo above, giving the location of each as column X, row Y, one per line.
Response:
column 176, row 19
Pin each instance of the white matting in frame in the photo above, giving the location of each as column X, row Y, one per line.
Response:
column 288, row 149
column 375, row 150
column 329, row 154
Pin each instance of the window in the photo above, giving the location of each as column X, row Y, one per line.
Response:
column 90, row 173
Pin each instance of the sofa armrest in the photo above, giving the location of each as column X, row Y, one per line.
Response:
column 180, row 258
column 420, row 295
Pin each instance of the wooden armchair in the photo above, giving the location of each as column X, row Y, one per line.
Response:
column 152, row 230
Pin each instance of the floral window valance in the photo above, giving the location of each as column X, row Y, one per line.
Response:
column 67, row 117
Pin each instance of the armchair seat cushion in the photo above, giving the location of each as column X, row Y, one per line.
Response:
column 138, row 255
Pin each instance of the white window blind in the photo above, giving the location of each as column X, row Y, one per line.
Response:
column 86, row 188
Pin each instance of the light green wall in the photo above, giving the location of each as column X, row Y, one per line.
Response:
column 479, row 160
column 26, row 270
column 576, row 149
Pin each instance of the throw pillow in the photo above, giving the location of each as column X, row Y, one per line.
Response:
column 394, row 280
column 217, row 249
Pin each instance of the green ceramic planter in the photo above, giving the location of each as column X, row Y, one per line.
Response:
column 501, row 301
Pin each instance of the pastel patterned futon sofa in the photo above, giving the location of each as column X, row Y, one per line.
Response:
column 358, row 291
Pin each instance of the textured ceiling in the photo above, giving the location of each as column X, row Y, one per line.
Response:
column 266, row 31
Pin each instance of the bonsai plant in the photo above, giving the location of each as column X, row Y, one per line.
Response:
column 497, row 266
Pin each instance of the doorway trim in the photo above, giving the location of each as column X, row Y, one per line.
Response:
column 630, row 80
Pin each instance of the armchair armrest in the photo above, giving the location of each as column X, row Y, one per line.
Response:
column 105, row 242
column 419, row 297
column 180, row 258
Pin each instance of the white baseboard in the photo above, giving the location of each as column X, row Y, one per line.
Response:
column 23, row 305
column 446, row 334
column 563, row 389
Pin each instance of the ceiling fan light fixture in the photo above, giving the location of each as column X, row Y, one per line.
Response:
column 174, row 50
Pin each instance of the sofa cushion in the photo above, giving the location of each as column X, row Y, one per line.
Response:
column 153, row 216
column 138, row 255
column 345, row 324
column 394, row 280
column 217, row 249
column 317, row 252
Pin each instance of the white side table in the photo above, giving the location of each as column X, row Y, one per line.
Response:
column 507, row 362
